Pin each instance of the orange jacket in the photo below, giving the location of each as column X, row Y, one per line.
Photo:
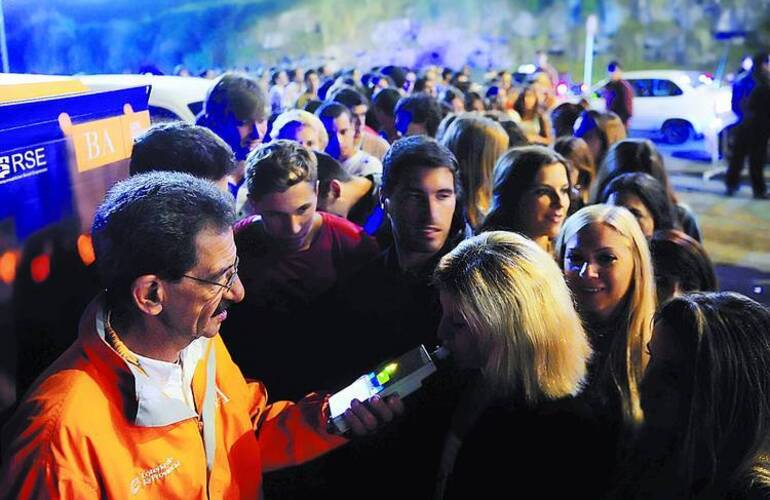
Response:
column 75, row 436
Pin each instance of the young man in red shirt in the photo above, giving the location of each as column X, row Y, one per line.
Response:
column 290, row 254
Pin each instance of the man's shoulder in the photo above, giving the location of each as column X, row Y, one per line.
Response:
column 70, row 401
column 248, row 224
column 370, row 159
column 363, row 164
column 341, row 226
column 352, row 246
column 373, row 144
column 249, row 234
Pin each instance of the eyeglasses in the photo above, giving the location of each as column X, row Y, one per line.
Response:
column 230, row 279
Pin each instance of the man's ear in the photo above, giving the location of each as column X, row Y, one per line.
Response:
column 335, row 189
column 148, row 294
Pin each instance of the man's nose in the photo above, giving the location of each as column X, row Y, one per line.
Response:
column 295, row 225
column 432, row 211
column 236, row 292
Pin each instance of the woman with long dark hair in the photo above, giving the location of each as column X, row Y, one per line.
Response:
column 530, row 195
column 477, row 143
column 533, row 122
column 641, row 155
column 706, row 401
column 681, row 265
column 645, row 198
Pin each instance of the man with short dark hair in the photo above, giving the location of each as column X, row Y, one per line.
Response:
column 390, row 307
column 384, row 104
column 339, row 193
column 355, row 102
column 366, row 138
column 290, row 255
column 236, row 110
column 392, row 295
column 147, row 401
column 417, row 114
column 340, row 125
column 183, row 147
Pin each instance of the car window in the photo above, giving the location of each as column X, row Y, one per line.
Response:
column 642, row 87
column 162, row 115
column 665, row 88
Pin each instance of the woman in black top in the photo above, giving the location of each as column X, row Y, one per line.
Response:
column 508, row 315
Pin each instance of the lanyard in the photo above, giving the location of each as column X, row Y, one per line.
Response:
column 209, row 410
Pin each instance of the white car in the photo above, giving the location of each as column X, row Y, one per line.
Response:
column 171, row 97
column 679, row 105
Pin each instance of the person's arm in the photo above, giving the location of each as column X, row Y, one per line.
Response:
column 44, row 468
column 290, row 434
column 629, row 98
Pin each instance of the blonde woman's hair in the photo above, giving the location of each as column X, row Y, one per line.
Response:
column 516, row 303
column 306, row 119
column 628, row 357
column 477, row 142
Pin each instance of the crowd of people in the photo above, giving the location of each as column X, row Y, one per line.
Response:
column 328, row 223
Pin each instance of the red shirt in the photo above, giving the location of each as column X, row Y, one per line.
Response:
column 273, row 277
column 273, row 334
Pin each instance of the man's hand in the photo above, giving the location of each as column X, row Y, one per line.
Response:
column 364, row 419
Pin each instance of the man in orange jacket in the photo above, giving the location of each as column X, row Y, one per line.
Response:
column 147, row 402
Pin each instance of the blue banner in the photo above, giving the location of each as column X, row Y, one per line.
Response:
column 38, row 167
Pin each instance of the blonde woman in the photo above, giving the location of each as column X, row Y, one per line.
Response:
column 508, row 317
column 301, row 126
column 607, row 264
column 477, row 143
